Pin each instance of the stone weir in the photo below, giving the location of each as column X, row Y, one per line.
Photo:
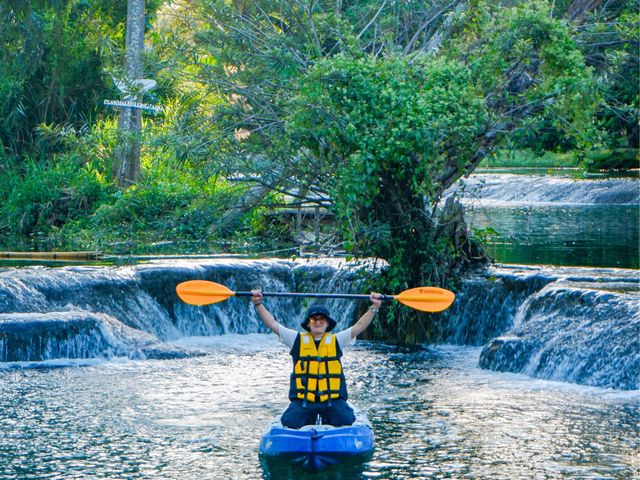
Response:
column 578, row 325
column 508, row 189
column 571, row 324
column 106, row 312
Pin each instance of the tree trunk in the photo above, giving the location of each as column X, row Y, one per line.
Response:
column 126, row 165
column 579, row 8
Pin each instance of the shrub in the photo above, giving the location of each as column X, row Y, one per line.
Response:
column 44, row 197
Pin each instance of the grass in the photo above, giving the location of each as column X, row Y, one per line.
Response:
column 594, row 161
column 530, row 159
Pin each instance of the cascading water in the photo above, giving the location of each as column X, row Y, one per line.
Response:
column 578, row 330
column 29, row 337
column 485, row 306
column 569, row 324
column 509, row 189
column 84, row 312
column 550, row 323
column 578, row 325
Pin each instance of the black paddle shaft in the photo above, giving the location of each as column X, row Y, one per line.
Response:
column 351, row 296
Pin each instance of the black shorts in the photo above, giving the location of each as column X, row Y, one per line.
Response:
column 298, row 415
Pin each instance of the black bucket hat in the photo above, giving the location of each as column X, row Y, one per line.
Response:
column 318, row 310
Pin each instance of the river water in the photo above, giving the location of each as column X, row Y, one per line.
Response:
column 596, row 236
column 434, row 412
column 556, row 220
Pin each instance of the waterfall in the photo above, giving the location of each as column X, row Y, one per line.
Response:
column 486, row 305
column 572, row 324
column 509, row 189
column 86, row 312
column 581, row 327
column 30, row 337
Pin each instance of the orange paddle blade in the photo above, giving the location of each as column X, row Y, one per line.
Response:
column 202, row 292
column 426, row 299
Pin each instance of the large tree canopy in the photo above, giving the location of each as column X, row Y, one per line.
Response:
column 379, row 133
column 254, row 55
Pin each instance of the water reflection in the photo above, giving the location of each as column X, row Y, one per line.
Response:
column 595, row 236
column 435, row 415
column 276, row 469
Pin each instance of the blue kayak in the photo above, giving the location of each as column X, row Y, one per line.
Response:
column 317, row 447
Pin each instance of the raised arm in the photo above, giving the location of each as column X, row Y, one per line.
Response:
column 264, row 314
column 366, row 319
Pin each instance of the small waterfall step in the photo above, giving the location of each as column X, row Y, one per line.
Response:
column 510, row 189
column 37, row 337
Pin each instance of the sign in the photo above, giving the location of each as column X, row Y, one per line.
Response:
column 131, row 104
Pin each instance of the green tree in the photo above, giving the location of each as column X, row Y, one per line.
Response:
column 380, row 132
column 606, row 35
column 250, row 55
column 609, row 39
column 51, row 70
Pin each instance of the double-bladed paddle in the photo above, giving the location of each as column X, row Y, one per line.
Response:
column 425, row 299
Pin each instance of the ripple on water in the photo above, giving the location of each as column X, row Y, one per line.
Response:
column 435, row 415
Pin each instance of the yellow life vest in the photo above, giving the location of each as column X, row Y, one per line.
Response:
column 317, row 372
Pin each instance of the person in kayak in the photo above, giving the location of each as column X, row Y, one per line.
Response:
column 317, row 385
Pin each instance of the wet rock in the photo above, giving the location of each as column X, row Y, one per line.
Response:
column 504, row 354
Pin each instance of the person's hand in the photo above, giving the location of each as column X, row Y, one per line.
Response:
column 376, row 299
column 256, row 297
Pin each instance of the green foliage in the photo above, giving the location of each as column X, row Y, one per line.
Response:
column 251, row 55
column 530, row 158
column 618, row 159
column 50, row 73
column 382, row 127
column 168, row 204
column 579, row 79
column 53, row 60
column 609, row 40
column 383, row 130
column 534, row 75
column 72, row 203
column 593, row 161
column 45, row 197
column 153, row 205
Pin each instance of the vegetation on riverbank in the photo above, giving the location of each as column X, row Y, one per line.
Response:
column 603, row 160
column 367, row 111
